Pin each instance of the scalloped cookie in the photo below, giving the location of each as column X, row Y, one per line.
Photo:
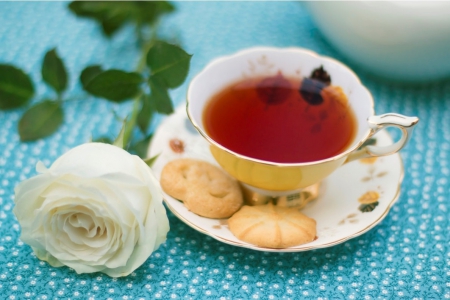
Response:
column 204, row 189
column 271, row 226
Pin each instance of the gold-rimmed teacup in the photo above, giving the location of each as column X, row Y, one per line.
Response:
column 263, row 180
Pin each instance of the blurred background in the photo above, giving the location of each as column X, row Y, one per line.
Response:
column 401, row 53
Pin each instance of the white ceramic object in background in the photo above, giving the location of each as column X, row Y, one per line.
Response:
column 402, row 40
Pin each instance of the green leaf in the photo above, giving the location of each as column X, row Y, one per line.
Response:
column 128, row 124
column 115, row 85
column 120, row 141
column 53, row 71
column 92, row 9
column 131, row 122
column 40, row 120
column 88, row 74
column 141, row 147
column 16, row 88
column 103, row 139
column 112, row 15
column 150, row 161
column 160, row 97
column 149, row 11
column 113, row 23
column 145, row 115
column 168, row 63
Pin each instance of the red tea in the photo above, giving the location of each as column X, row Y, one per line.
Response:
column 279, row 119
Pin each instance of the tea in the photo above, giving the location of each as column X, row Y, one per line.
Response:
column 280, row 119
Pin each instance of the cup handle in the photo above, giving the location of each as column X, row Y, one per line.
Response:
column 377, row 123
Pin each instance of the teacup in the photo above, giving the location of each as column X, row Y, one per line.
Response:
column 274, row 179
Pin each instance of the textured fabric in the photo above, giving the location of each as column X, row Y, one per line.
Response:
column 405, row 256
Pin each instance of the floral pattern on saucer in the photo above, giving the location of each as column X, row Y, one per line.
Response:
column 352, row 200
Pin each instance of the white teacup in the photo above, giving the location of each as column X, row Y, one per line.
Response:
column 278, row 179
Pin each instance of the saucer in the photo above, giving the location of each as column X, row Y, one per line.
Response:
column 351, row 201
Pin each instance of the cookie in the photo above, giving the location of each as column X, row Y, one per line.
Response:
column 174, row 177
column 271, row 226
column 204, row 189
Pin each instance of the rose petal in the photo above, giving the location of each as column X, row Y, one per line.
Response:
column 94, row 236
column 156, row 218
column 27, row 197
column 97, row 159
column 40, row 167
column 83, row 221
column 74, row 246
column 107, row 200
column 122, row 256
column 42, row 254
column 97, row 208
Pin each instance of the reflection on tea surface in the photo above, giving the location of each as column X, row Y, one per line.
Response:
column 281, row 119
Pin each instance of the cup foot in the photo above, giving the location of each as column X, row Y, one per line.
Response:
column 254, row 196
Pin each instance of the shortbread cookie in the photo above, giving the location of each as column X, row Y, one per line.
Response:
column 271, row 226
column 175, row 177
column 204, row 189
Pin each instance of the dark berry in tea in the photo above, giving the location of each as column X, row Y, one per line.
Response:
column 274, row 90
column 311, row 87
column 282, row 119
column 321, row 75
column 310, row 90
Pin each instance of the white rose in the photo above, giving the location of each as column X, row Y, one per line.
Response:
column 96, row 209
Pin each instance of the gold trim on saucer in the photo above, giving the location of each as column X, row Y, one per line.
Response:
column 292, row 249
column 387, row 186
column 303, row 247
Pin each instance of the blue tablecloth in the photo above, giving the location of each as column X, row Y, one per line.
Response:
column 405, row 256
